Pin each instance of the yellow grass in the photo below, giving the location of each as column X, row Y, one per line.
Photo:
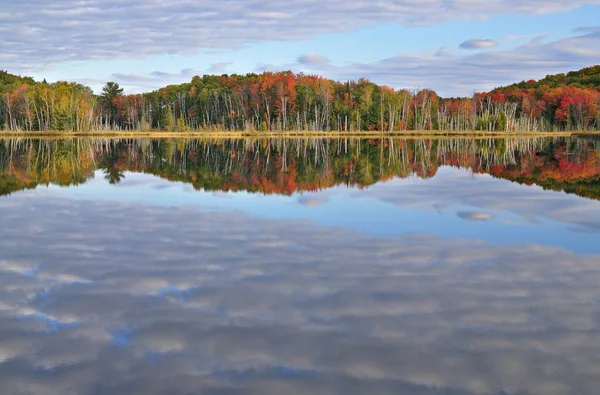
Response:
column 287, row 134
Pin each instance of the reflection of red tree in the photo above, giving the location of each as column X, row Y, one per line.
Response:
column 560, row 166
column 273, row 173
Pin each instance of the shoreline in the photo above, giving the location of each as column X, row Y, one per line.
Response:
column 290, row 134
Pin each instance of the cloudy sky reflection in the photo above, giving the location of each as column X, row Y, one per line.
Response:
column 453, row 203
column 154, row 293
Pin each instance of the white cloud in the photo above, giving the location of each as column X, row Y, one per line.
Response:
column 217, row 68
column 38, row 32
column 313, row 60
column 463, row 74
column 135, row 83
column 448, row 73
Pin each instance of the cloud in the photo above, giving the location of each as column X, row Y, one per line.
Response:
column 587, row 29
column 313, row 60
column 217, row 68
column 190, row 301
column 40, row 31
column 478, row 43
column 458, row 73
column 138, row 83
column 461, row 75
column 514, row 37
column 475, row 216
column 443, row 53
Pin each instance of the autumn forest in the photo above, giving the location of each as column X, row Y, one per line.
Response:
column 286, row 101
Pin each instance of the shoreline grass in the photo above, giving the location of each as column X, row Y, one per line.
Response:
column 288, row 134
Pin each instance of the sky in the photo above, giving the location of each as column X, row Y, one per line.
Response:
column 456, row 47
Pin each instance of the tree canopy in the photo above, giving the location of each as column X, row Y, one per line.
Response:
column 286, row 101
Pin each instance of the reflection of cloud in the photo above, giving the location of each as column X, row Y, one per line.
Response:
column 461, row 188
column 440, row 207
column 221, row 195
column 475, row 216
column 312, row 200
column 508, row 222
column 136, row 182
column 188, row 301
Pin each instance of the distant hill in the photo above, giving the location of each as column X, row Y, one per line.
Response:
column 587, row 78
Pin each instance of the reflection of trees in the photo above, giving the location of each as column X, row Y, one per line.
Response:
column 113, row 175
column 25, row 163
column 110, row 163
column 285, row 166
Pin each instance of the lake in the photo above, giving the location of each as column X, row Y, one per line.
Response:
column 300, row 266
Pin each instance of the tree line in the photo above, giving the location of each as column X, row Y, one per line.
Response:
column 286, row 101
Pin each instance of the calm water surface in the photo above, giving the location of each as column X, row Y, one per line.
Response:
column 341, row 266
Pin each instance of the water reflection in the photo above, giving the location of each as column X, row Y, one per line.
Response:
column 284, row 166
column 179, row 301
column 405, row 287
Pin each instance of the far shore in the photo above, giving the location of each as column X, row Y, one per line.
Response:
column 288, row 134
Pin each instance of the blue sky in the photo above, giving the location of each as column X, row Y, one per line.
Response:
column 455, row 47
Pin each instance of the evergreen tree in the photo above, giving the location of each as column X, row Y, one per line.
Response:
column 110, row 92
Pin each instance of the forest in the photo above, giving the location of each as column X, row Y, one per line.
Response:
column 285, row 101
column 289, row 166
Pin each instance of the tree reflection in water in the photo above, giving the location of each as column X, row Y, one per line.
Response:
column 285, row 166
